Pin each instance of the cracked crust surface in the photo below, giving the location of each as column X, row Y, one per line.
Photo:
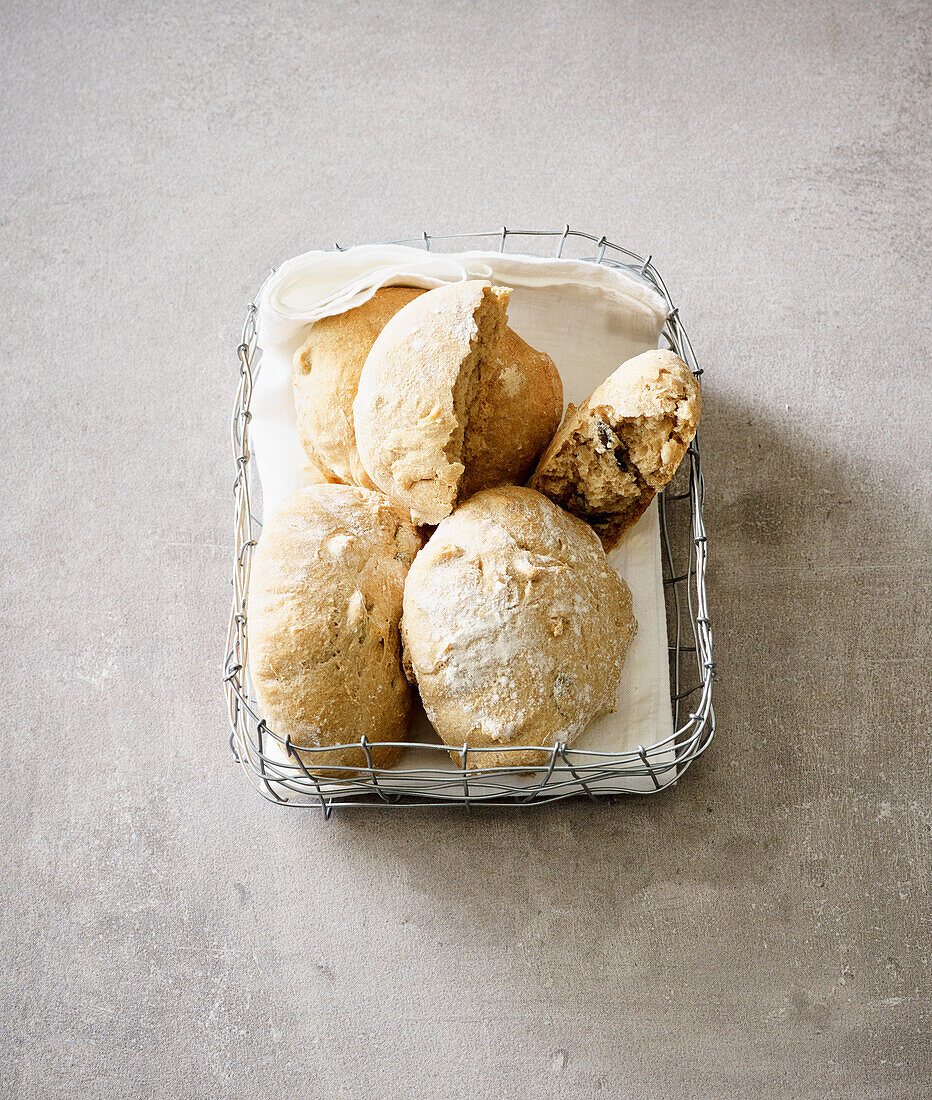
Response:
column 515, row 627
column 416, row 387
column 325, row 598
column 623, row 444
column 451, row 401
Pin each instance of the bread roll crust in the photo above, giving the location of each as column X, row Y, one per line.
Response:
column 415, row 391
column 451, row 401
column 515, row 627
column 517, row 408
column 325, row 598
column 623, row 444
column 326, row 377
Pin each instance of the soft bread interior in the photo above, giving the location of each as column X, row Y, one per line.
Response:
column 491, row 319
column 609, row 468
column 592, row 474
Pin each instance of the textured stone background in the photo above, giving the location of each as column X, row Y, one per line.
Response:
column 756, row 932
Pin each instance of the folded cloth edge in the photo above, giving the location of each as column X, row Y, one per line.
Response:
column 321, row 284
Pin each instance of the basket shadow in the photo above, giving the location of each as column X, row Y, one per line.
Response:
column 793, row 530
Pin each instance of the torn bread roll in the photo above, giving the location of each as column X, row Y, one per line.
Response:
column 326, row 376
column 516, row 410
column 623, row 444
column 450, row 401
column 515, row 628
column 325, row 599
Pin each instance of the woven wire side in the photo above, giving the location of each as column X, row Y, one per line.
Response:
column 279, row 774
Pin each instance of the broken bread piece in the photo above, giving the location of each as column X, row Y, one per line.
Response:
column 451, row 401
column 517, row 408
column 623, row 444
column 415, row 391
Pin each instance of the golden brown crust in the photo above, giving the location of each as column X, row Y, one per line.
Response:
column 515, row 627
column 518, row 404
column 415, row 391
column 326, row 376
column 325, row 598
column 452, row 401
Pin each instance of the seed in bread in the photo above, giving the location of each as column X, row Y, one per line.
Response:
column 325, row 598
column 326, row 376
column 623, row 444
column 451, row 401
column 515, row 627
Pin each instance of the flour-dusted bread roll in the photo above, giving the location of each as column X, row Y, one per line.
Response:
column 416, row 389
column 623, row 444
column 325, row 598
column 326, row 376
column 515, row 627
column 451, row 401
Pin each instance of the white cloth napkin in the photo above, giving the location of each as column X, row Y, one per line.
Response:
column 589, row 319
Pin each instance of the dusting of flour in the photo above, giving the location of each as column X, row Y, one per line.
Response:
column 512, row 621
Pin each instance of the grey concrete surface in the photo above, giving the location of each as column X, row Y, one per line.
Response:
column 761, row 931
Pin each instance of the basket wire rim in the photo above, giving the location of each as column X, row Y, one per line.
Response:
column 366, row 785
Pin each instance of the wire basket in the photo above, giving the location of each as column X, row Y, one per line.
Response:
column 277, row 771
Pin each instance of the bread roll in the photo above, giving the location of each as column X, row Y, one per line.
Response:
column 516, row 410
column 623, row 444
column 326, row 376
column 515, row 627
column 325, row 598
column 451, row 401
